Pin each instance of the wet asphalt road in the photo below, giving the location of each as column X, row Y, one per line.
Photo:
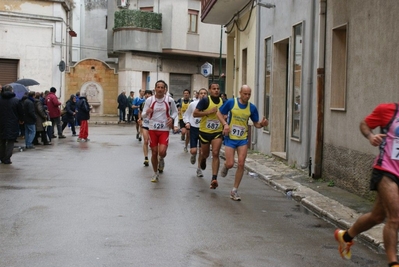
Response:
column 92, row 204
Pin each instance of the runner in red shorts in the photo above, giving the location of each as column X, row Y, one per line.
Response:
column 161, row 112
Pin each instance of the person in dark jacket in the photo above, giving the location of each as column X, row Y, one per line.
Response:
column 53, row 106
column 83, row 108
column 41, row 117
column 69, row 116
column 122, row 105
column 30, row 120
column 11, row 113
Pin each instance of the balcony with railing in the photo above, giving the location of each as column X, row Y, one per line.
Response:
column 220, row 12
column 135, row 30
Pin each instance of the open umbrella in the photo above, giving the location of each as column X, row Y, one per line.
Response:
column 19, row 89
column 27, row 82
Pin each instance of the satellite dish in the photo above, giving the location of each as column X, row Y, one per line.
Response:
column 61, row 66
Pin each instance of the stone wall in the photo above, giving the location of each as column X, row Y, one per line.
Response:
column 349, row 169
column 102, row 78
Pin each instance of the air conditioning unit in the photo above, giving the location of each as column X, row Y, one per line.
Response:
column 122, row 3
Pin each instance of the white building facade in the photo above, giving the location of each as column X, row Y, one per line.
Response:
column 172, row 47
column 35, row 38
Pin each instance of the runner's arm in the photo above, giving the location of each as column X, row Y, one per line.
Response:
column 173, row 110
column 145, row 108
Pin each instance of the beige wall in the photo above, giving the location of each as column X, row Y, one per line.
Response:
column 237, row 41
column 372, row 64
column 98, row 72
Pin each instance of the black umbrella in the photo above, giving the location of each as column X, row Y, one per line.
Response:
column 19, row 89
column 27, row 82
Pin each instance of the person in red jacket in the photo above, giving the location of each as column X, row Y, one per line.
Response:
column 53, row 106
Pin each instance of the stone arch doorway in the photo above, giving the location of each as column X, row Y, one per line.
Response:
column 95, row 96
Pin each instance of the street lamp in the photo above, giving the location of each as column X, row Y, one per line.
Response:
column 267, row 5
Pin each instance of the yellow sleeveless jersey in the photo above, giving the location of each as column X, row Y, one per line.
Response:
column 210, row 123
column 183, row 108
column 239, row 121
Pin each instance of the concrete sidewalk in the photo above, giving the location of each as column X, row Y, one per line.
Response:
column 332, row 204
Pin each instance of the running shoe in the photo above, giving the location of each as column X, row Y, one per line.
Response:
column 146, row 163
column 161, row 165
column 155, row 178
column 234, row 195
column 185, row 149
column 214, row 184
column 192, row 159
column 79, row 140
column 224, row 171
column 137, row 136
column 199, row 173
column 344, row 248
column 203, row 164
column 183, row 137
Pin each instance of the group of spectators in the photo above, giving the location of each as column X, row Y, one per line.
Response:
column 35, row 116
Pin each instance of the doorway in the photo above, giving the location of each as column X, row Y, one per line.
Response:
column 279, row 129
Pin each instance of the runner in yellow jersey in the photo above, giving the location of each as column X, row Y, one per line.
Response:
column 235, row 130
column 182, row 105
column 210, row 130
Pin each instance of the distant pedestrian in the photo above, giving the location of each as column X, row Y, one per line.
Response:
column 122, row 105
column 235, row 130
column 77, row 123
column 224, row 97
column 130, row 100
column 83, row 116
column 30, row 120
column 69, row 116
column 41, row 117
column 384, row 180
column 11, row 113
column 182, row 105
column 53, row 107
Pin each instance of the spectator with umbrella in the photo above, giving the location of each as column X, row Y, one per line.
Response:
column 27, row 82
column 11, row 113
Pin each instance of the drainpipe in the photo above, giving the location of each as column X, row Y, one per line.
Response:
column 220, row 56
column 257, row 63
column 310, row 71
column 320, row 89
column 157, row 68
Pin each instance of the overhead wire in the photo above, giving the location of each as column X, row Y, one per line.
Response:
column 236, row 18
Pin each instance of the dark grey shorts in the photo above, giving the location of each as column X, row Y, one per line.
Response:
column 376, row 177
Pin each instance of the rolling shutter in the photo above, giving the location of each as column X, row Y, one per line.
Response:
column 8, row 71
